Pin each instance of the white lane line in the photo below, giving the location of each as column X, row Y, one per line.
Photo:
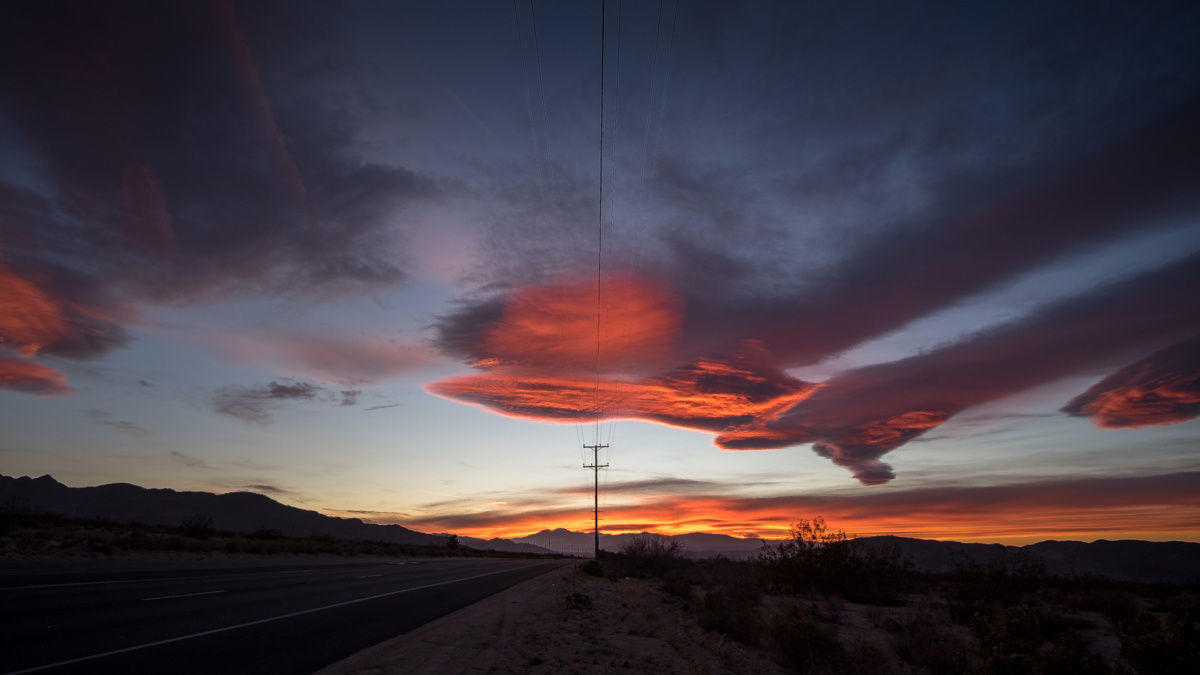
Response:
column 151, row 579
column 182, row 595
column 247, row 624
column 368, row 576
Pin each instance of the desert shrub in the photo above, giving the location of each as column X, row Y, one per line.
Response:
column 1068, row 655
column 927, row 639
column 650, row 556
column 593, row 568
column 1009, row 638
column 577, row 601
column 733, row 610
column 1168, row 643
column 807, row 645
column 1008, row 580
column 676, row 584
column 199, row 526
column 266, row 534
column 1116, row 605
column 817, row 558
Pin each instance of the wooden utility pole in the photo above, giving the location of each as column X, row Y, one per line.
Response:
column 595, row 466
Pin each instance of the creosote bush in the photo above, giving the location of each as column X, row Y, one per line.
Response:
column 650, row 556
column 199, row 526
column 819, row 559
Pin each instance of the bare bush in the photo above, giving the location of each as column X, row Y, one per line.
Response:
column 649, row 555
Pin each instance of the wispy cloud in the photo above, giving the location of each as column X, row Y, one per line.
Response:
column 105, row 419
column 188, row 460
column 256, row 404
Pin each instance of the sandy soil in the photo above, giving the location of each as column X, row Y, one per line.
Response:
column 534, row 627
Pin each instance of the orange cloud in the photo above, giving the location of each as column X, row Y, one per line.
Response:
column 555, row 326
column 709, row 395
column 29, row 377
column 1163, row 388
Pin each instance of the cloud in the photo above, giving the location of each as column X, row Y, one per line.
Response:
column 383, row 407
column 555, row 326
column 189, row 460
column 268, row 488
column 36, row 320
column 348, row 360
column 982, row 232
column 255, row 404
column 350, row 396
column 710, row 395
column 1163, row 388
column 1088, row 507
column 30, row 377
column 858, row 416
column 214, row 177
column 105, row 419
column 653, row 486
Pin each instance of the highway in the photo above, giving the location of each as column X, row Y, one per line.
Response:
column 285, row 619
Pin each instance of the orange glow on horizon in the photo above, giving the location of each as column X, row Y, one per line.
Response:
column 1008, row 523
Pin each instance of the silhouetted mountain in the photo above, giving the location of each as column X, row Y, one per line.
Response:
column 234, row 511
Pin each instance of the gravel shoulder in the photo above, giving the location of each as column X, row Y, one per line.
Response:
column 545, row 625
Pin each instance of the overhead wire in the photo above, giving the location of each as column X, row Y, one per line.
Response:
column 600, row 219
column 663, row 92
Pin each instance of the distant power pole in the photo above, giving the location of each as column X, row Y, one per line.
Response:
column 595, row 466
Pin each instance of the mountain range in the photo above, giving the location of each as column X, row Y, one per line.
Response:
column 1130, row 560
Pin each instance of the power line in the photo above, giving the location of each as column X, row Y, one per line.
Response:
column 663, row 93
column 595, row 447
column 537, row 48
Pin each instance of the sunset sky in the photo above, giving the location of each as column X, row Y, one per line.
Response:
column 927, row 270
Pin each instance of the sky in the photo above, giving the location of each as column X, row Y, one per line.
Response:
column 920, row 269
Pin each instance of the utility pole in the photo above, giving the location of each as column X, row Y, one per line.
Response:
column 595, row 466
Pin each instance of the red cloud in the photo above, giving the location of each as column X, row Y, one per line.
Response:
column 555, row 326
column 29, row 377
column 858, row 416
column 709, row 395
column 29, row 318
column 1163, row 388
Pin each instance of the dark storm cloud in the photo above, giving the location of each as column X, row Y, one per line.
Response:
column 1163, row 388
column 176, row 168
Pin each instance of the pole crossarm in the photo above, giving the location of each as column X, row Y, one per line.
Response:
column 595, row 466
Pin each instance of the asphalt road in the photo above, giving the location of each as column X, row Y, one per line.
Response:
column 285, row 619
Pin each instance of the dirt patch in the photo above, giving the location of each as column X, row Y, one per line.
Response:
column 563, row 622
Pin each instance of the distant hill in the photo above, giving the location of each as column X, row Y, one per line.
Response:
column 696, row 544
column 234, row 511
column 1126, row 560
column 1130, row 560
